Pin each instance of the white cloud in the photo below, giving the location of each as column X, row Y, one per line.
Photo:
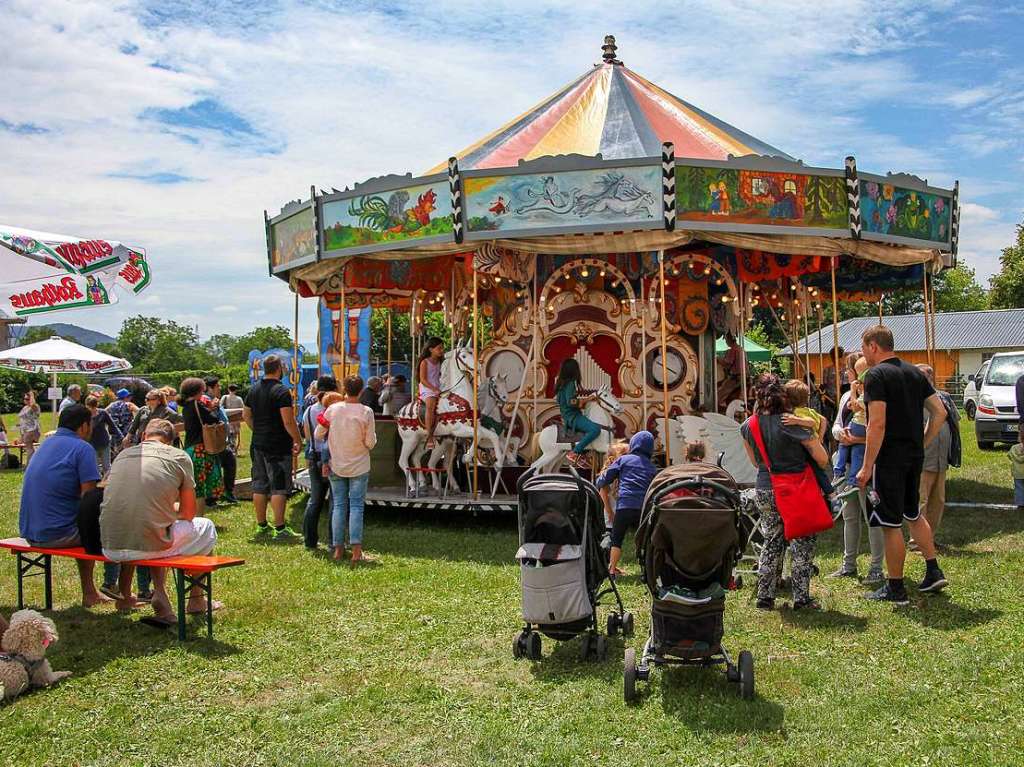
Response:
column 354, row 91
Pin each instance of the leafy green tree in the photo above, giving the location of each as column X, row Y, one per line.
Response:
column 35, row 334
column 1007, row 287
column 957, row 290
column 261, row 338
column 219, row 346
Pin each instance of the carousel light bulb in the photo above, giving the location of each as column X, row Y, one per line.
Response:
column 497, row 280
column 584, row 272
column 707, row 270
column 602, row 273
column 719, row 281
column 774, row 296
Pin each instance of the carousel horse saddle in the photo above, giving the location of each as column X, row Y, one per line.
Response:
column 567, row 435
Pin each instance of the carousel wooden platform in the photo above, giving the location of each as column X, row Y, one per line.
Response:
column 395, row 498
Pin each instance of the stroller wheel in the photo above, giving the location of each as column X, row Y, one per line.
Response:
column 746, row 665
column 613, row 624
column 600, row 647
column 533, row 646
column 629, row 676
column 627, row 624
column 519, row 646
column 586, row 645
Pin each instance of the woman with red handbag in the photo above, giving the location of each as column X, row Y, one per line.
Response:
column 789, row 498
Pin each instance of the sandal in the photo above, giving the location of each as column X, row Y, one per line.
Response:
column 158, row 622
column 215, row 604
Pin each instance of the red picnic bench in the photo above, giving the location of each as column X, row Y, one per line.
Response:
column 189, row 572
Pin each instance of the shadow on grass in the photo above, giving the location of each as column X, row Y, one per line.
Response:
column 563, row 663
column 938, row 611
column 703, row 699
column 91, row 639
column 828, row 620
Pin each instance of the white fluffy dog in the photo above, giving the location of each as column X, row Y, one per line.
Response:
column 22, row 653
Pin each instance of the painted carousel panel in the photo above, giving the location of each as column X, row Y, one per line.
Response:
column 901, row 212
column 565, row 200
column 388, row 218
column 292, row 239
column 768, row 198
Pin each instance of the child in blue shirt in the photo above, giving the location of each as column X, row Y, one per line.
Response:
column 634, row 471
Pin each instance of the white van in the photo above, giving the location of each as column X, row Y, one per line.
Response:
column 971, row 390
column 996, row 418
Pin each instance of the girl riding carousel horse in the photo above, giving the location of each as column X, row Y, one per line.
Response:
column 570, row 402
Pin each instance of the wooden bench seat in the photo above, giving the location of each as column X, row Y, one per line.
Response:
column 189, row 572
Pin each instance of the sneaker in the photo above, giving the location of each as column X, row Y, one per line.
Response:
column 765, row 604
column 843, row 572
column 229, row 499
column 848, row 492
column 884, row 594
column 873, row 578
column 285, row 535
column 807, row 604
column 263, row 531
column 933, row 582
column 144, row 596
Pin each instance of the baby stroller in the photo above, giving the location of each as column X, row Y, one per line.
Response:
column 563, row 565
column 688, row 542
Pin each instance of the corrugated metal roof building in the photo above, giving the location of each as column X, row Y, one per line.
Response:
column 963, row 340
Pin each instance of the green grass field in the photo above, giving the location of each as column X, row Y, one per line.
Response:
column 409, row 663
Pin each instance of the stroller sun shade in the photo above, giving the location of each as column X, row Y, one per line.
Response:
column 688, row 534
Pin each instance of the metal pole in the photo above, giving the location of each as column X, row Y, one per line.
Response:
column 476, row 389
column 927, row 331
column 343, row 328
column 536, row 340
column 835, row 327
column 388, row 310
column 743, row 341
column 821, row 358
column 643, row 347
column 807, row 339
column 664, row 359
column 297, row 372
column 931, row 299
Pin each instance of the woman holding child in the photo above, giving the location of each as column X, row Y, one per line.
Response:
column 789, row 450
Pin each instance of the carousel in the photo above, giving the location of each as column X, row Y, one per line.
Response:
column 612, row 223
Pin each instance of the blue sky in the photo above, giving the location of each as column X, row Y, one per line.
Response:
column 172, row 125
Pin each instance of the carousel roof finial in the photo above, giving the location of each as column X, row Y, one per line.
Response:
column 609, row 49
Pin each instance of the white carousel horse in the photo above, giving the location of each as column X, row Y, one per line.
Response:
column 600, row 411
column 720, row 434
column 491, row 400
column 454, row 417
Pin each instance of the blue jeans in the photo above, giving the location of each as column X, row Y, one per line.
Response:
column 317, row 495
column 590, row 430
column 1018, row 492
column 349, row 499
column 851, row 454
column 143, row 579
column 103, row 458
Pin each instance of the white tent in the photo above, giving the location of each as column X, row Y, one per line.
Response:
column 56, row 355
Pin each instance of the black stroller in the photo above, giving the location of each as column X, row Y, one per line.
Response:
column 563, row 565
column 688, row 543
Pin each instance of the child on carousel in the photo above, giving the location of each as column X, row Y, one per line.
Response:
column 570, row 403
column 429, row 376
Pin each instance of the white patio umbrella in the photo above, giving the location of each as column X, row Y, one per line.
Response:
column 56, row 355
column 41, row 272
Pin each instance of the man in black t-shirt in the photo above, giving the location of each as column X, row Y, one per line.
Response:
column 896, row 394
column 270, row 414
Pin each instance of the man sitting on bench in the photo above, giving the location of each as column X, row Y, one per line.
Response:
column 62, row 470
column 149, row 512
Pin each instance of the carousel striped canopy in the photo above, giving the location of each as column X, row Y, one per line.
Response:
column 613, row 111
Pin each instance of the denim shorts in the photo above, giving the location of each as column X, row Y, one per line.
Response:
column 271, row 474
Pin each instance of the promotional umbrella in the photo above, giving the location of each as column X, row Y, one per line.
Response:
column 45, row 272
column 56, row 355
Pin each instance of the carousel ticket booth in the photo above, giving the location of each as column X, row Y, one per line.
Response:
column 617, row 225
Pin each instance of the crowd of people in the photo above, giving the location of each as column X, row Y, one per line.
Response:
column 894, row 436
column 134, row 482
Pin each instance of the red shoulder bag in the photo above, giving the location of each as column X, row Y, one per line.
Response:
column 797, row 496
